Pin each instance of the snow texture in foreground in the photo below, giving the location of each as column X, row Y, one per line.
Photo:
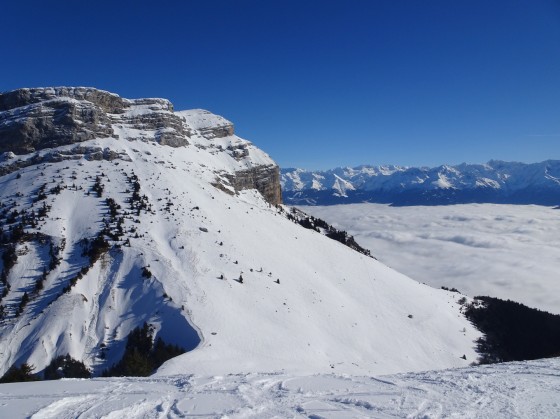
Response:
column 505, row 251
column 522, row 389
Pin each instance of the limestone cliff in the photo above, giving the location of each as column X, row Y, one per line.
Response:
column 32, row 120
column 266, row 179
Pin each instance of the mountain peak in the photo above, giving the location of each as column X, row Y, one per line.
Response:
column 117, row 212
column 36, row 119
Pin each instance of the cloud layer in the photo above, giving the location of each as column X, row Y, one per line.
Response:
column 505, row 251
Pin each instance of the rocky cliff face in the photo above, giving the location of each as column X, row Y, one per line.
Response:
column 35, row 119
column 266, row 179
column 108, row 102
column 32, row 120
column 209, row 125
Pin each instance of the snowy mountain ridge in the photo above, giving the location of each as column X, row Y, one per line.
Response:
column 52, row 119
column 493, row 182
column 116, row 212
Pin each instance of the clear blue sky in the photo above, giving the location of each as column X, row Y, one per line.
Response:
column 317, row 84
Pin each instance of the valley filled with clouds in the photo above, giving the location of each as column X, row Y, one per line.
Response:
column 505, row 251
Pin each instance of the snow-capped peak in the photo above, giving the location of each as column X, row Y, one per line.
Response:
column 496, row 182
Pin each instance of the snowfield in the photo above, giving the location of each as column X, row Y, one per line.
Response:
column 231, row 279
column 505, row 251
column 511, row 390
column 333, row 310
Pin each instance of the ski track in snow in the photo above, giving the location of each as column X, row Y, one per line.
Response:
column 513, row 390
column 505, row 251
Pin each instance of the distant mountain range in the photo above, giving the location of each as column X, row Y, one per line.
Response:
column 493, row 182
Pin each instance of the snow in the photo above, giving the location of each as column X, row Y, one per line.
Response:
column 341, row 186
column 485, row 182
column 512, row 390
column 505, row 251
column 504, row 181
column 201, row 119
column 313, row 329
column 334, row 309
column 442, row 182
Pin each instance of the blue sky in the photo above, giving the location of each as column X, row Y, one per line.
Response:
column 317, row 84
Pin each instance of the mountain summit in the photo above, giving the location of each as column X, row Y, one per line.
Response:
column 116, row 213
column 47, row 118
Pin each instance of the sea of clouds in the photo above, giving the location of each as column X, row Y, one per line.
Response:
column 506, row 251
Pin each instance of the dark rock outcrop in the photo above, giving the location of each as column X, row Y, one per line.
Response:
column 106, row 101
column 265, row 179
column 217, row 132
column 35, row 119
column 89, row 153
column 51, row 123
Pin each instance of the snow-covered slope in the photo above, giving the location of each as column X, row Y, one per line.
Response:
column 511, row 390
column 494, row 182
column 198, row 248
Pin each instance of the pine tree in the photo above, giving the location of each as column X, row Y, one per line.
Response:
column 15, row 374
column 22, row 303
column 142, row 355
column 66, row 367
